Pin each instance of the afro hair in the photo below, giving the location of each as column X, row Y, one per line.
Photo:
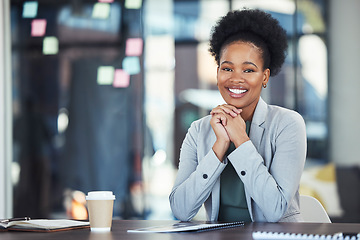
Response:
column 255, row 26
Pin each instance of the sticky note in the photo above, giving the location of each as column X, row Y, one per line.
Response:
column 38, row 27
column 30, row 9
column 105, row 75
column 134, row 47
column 106, row 1
column 101, row 10
column 131, row 65
column 50, row 46
column 121, row 79
column 133, row 4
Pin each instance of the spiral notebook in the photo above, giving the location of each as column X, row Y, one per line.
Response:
column 301, row 236
column 187, row 227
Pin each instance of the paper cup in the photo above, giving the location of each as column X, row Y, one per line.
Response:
column 100, row 206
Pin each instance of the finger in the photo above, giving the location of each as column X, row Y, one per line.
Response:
column 220, row 118
column 223, row 120
column 216, row 111
column 231, row 110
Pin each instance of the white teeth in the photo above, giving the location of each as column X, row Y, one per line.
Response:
column 236, row 90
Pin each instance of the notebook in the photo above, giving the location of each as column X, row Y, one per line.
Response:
column 187, row 227
column 43, row 225
column 301, row 236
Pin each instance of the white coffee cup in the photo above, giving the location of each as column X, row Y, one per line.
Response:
column 100, row 206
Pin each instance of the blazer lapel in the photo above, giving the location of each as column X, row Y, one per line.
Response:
column 257, row 124
column 256, row 135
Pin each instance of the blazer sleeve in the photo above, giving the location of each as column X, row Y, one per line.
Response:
column 272, row 187
column 195, row 178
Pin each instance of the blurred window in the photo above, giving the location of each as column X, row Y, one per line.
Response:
column 104, row 92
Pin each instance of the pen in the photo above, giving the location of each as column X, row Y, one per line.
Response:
column 15, row 219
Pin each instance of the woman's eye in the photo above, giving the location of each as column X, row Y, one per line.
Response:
column 248, row 71
column 227, row 69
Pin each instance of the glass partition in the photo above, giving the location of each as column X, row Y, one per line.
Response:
column 104, row 92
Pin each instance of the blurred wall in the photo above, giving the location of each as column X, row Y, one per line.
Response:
column 344, row 97
column 344, row 82
column 5, row 112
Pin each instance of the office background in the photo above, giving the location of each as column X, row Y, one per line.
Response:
column 98, row 95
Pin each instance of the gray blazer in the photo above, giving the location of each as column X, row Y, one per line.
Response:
column 270, row 165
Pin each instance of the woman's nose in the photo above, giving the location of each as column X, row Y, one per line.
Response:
column 237, row 78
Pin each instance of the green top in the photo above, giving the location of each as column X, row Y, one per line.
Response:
column 233, row 206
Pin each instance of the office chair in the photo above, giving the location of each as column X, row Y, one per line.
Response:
column 312, row 210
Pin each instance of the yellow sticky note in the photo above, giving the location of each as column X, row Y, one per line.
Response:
column 101, row 10
column 105, row 75
column 133, row 4
column 50, row 46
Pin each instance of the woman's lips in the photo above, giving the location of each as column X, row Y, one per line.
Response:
column 237, row 92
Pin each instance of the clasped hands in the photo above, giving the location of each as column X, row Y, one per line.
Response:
column 228, row 126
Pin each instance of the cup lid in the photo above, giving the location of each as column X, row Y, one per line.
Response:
column 100, row 195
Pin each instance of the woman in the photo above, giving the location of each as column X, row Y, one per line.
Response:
column 243, row 161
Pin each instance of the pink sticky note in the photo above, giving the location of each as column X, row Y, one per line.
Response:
column 121, row 79
column 134, row 47
column 106, row 1
column 38, row 27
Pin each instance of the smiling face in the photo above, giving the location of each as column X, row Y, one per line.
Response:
column 240, row 76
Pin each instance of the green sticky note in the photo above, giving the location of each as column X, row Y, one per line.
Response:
column 133, row 4
column 50, row 45
column 105, row 75
column 101, row 10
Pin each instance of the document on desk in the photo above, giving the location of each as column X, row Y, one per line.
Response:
column 187, row 227
column 42, row 225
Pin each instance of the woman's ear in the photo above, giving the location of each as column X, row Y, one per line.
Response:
column 266, row 76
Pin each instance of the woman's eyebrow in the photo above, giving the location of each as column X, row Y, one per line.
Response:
column 245, row 63
column 251, row 63
column 228, row 62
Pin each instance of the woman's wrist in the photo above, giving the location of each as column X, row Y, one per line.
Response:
column 241, row 140
column 220, row 148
